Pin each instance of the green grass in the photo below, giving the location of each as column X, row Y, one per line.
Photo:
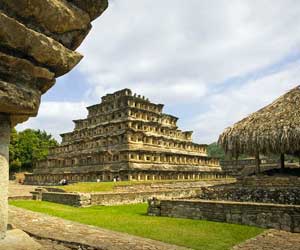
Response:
column 132, row 219
column 88, row 187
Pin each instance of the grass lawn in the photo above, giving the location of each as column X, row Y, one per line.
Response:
column 132, row 219
column 88, row 187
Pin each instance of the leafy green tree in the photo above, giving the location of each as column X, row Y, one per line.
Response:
column 28, row 146
column 214, row 150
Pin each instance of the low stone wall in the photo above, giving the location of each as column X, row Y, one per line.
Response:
column 263, row 189
column 270, row 181
column 139, row 197
column 92, row 199
column 172, row 185
column 283, row 217
column 23, row 197
column 289, row 196
column 72, row 199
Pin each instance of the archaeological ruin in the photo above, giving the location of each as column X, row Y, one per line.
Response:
column 267, row 199
column 38, row 40
column 125, row 137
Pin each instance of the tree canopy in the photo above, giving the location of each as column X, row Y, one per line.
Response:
column 28, row 146
column 214, row 150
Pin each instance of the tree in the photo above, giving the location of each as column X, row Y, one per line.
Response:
column 29, row 146
column 214, row 150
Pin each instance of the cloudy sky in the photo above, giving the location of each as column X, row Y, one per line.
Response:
column 211, row 62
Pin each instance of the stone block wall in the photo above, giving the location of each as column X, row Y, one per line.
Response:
column 72, row 199
column 270, row 181
column 92, row 199
column 172, row 185
column 283, row 217
column 139, row 197
column 265, row 195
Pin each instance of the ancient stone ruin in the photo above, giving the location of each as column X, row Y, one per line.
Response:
column 37, row 43
column 126, row 137
column 269, row 199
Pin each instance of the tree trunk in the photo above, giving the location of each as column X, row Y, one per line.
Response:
column 257, row 163
column 282, row 161
column 5, row 128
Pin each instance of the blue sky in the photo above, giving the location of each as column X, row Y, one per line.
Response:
column 210, row 62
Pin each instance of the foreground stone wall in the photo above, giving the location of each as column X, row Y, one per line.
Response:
column 283, row 217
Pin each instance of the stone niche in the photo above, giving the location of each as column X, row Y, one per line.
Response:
column 37, row 44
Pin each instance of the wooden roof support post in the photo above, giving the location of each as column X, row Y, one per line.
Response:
column 257, row 163
column 282, row 161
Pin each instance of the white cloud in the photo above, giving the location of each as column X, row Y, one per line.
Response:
column 230, row 106
column 137, row 43
column 187, row 54
column 56, row 117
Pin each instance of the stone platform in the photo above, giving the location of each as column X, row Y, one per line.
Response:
column 16, row 239
column 17, row 191
column 272, row 240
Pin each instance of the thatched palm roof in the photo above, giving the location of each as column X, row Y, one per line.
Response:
column 274, row 129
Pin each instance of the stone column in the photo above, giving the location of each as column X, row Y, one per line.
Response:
column 5, row 127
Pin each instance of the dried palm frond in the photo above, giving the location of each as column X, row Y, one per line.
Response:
column 274, row 129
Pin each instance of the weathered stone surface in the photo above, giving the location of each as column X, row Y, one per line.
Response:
column 25, row 73
column 253, row 194
column 18, row 99
column 21, row 86
column 57, row 19
column 42, row 49
column 93, row 7
column 272, row 240
column 18, row 240
column 36, row 43
column 56, row 16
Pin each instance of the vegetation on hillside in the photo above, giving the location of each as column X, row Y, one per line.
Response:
column 132, row 219
column 28, row 146
column 214, row 150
